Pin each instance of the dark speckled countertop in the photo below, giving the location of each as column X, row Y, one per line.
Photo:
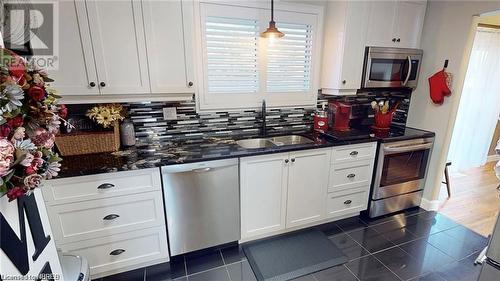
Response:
column 191, row 151
column 177, row 153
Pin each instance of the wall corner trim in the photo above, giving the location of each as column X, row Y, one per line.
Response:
column 429, row 205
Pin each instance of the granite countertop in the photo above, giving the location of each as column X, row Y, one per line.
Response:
column 142, row 157
column 206, row 149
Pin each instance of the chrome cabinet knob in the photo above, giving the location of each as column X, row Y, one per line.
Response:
column 102, row 84
column 92, row 84
column 190, row 84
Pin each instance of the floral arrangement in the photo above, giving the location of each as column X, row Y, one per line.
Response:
column 106, row 115
column 30, row 116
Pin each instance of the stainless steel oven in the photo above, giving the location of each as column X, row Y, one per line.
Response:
column 400, row 175
column 391, row 67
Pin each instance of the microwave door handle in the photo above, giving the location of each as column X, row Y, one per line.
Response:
column 409, row 71
column 399, row 149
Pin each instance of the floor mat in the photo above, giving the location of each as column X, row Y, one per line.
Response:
column 292, row 255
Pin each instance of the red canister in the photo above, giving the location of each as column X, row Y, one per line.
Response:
column 321, row 121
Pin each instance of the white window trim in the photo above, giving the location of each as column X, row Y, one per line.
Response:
column 272, row 99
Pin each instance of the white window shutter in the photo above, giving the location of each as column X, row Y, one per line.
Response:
column 289, row 59
column 232, row 55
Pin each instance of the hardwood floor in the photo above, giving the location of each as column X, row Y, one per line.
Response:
column 475, row 201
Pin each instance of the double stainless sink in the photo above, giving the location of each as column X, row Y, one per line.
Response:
column 273, row 141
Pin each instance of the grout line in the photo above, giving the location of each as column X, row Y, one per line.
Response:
column 388, row 268
column 185, row 266
column 222, row 256
column 351, row 272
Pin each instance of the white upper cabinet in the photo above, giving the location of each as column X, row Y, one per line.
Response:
column 396, row 23
column 410, row 19
column 168, row 26
column 119, row 50
column 76, row 73
column 307, row 186
column 117, row 33
column 344, row 46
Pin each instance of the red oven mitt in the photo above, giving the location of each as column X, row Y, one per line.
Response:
column 439, row 87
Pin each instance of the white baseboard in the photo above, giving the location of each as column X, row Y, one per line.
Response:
column 429, row 205
column 495, row 157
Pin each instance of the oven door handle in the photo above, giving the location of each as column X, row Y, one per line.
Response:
column 409, row 71
column 399, row 149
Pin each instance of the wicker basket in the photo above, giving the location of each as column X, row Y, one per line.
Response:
column 89, row 142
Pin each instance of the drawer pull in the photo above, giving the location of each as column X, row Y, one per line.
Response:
column 353, row 153
column 111, row 217
column 350, row 176
column 347, row 202
column 117, row 252
column 105, row 186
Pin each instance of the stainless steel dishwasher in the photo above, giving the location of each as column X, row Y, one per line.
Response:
column 202, row 202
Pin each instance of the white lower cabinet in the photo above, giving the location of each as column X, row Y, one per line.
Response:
column 288, row 191
column 281, row 191
column 263, row 183
column 115, row 220
column 307, row 185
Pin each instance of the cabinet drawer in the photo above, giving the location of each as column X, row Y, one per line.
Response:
column 350, row 175
column 346, row 202
column 99, row 218
column 354, row 152
column 75, row 189
column 106, row 254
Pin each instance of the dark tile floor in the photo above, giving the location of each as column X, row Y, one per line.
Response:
column 416, row 245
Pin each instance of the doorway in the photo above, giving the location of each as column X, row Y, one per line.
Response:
column 475, row 199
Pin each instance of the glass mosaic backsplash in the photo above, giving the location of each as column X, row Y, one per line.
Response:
column 151, row 127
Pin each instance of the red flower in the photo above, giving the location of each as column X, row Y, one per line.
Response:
column 16, row 66
column 15, row 122
column 14, row 193
column 5, row 130
column 36, row 92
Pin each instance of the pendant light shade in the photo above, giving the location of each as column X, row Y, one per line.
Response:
column 272, row 31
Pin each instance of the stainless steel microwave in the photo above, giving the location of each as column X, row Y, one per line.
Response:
column 391, row 67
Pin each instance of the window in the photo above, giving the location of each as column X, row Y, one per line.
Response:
column 231, row 48
column 240, row 69
column 289, row 59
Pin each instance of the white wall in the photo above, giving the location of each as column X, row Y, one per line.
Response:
column 445, row 34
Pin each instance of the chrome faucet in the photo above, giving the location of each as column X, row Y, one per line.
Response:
column 263, row 129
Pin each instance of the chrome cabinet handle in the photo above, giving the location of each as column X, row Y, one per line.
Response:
column 111, row 217
column 350, row 176
column 353, row 153
column 201, row 170
column 105, row 186
column 347, row 202
column 117, row 252
column 409, row 71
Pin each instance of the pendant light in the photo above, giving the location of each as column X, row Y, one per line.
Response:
column 272, row 31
